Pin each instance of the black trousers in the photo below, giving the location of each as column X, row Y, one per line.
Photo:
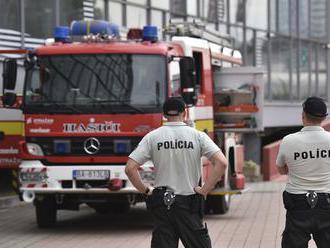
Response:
column 182, row 221
column 302, row 221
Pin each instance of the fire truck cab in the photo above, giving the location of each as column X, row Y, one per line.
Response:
column 88, row 103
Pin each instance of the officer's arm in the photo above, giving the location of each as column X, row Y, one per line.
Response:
column 283, row 170
column 219, row 163
column 133, row 175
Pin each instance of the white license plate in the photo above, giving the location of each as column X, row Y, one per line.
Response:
column 91, row 174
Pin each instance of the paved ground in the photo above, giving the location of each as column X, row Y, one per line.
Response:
column 255, row 219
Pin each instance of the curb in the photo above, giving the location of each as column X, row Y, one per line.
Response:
column 10, row 201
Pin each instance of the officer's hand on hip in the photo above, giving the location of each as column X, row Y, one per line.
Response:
column 199, row 190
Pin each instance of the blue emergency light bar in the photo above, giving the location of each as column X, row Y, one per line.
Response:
column 150, row 33
column 79, row 28
column 62, row 34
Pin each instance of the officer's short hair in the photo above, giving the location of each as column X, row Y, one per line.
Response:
column 173, row 106
column 315, row 109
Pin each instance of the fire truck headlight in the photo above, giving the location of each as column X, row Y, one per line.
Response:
column 34, row 149
column 122, row 146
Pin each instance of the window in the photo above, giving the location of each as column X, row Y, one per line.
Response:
column 116, row 13
column 212, row 11
column 198, row 57
column 192, row 8
column 256, row 14
column 318, row 20
column 9, row 15
column 142, row 2
column 157, row 20
column 97, row 82
column 136, row 17
column 175, row 78
column 99, row 9
column 71, row 10
column 178, row 8
column 39, row 18
column 163, row 4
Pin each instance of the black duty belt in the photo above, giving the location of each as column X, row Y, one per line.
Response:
column 169, row 197
column 312, row 198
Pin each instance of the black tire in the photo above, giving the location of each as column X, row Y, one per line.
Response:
column 217, row 204
column 46, row 212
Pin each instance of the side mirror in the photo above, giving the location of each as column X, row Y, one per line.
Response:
column 9, row 99
column 188, row 80
column 9, row 74
column 2, row 135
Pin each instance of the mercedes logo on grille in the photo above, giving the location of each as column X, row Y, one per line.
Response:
column 92, row 145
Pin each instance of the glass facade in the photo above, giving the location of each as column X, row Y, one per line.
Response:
column 9, row 15
column 70, row 10
column 39, row 18
column 288, row 38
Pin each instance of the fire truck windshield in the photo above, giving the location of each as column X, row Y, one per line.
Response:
column 96, row 83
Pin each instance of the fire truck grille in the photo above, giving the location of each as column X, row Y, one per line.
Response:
column 85, row 146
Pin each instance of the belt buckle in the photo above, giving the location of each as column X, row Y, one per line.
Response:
column 312, row 198
column 169, row 198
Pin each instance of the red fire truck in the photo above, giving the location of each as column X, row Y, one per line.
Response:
column 11, row 131
column 88, row 103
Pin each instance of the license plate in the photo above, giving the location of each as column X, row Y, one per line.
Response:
column 91, row 174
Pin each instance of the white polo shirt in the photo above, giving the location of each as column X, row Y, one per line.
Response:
column 175, row 149
column 307, row 155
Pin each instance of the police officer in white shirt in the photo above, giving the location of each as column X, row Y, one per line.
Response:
column 305, row 157
column 176, row 201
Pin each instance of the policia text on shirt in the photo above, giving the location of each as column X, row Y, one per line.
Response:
column 312, row 154
column 177, row 144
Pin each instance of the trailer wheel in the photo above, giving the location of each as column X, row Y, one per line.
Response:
column 217, row 204
column 46, row 212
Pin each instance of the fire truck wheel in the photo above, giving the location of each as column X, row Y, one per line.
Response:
column 46, row 212
column 216, row 204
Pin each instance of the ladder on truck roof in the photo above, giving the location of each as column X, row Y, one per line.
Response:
column 221, row 46
column 198, row 30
